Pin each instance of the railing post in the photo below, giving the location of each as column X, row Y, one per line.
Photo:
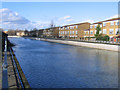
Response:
column 4, row 68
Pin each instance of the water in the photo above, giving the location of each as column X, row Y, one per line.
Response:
column 53, row 65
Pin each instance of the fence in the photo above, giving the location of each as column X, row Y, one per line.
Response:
column 21, row 80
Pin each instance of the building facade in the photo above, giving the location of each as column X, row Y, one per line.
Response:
column 51, row 32
column 109, row 27
column 73, row 31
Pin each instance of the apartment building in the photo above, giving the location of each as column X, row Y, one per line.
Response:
column 108, row 27
column 51, row 32
column 93, row 30
column 47, row 32
column 86, row 34
column 111, row 27
column 73, row 31
column 39, row 33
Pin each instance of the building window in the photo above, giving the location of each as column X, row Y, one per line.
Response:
column 110, row 31
column 104, row 24
column 73, row 32
column 76, row 26
column 95, row 26
column 71, row 27
column 67, row 32
column 91, row 26
column 88, row 32
column 112, row 23
column 100, row 25
column 85, row 32
column 117, row 23
column 63, row 32
column 91, row 32
column 76, row 32
column 117, row 31
column 104, row 31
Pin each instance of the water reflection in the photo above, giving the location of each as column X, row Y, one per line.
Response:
column 52, row 65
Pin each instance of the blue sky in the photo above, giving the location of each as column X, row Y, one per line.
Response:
column 41, row 13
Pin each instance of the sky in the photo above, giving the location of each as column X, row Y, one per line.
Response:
column 29, row 15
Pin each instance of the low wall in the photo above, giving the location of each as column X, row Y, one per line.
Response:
column 86, row 44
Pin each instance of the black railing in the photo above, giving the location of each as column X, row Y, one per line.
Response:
column 4, row 68
column 78, row 40
column 21, row 76
column 16, row 69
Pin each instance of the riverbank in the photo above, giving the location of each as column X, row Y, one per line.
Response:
column 83, row 44
column 11, row 75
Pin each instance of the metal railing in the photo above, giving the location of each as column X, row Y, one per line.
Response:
column 4, row 68
column 16, row 69
column 77, row 40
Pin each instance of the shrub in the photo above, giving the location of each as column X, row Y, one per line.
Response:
column 106, row 38
column 103, row 37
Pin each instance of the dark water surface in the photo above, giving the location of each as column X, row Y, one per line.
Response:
column 52, row 65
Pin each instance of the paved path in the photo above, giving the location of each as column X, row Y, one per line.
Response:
column 11, row 73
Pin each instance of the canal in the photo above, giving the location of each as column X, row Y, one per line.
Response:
column 53, row 65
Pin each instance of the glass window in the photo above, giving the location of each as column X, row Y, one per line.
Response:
column 91, row 26
column 63, row 32
column 112, row 23
column 117, row 23
column 76, row 26
column 68, row 32
column 95, row 26
column 91, row 32
column 116, row 31
column 88, row 32
column 104, row 24
column 73, row 32
column 76, row 32
column 110, row 31
column 104, row 31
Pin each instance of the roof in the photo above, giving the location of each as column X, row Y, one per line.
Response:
column 76, row 24
column 112, row 19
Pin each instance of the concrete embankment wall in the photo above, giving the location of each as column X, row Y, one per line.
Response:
column 86, row 44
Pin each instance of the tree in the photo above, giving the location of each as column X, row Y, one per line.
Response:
column 98, row 28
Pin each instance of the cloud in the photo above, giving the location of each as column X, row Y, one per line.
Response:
column 12, row 20
column 11, row 17
column 66, row 17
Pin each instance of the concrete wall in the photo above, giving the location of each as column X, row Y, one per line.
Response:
column 85, row 44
